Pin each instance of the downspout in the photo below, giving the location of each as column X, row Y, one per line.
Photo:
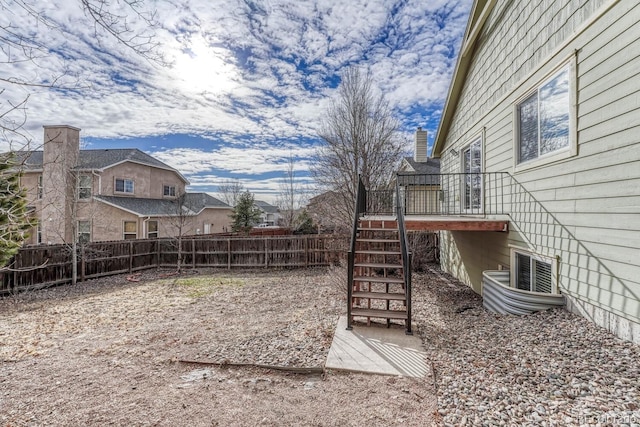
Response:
column 144, row 227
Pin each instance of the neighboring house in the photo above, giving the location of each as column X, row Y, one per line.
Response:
column 110, row 194
column 548, row 93
column 322, row 210
column 269, row 214
column 419, row 177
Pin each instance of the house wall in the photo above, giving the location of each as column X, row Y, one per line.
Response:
column 107, row 222
column 582, row 210
column 148, row 181
column 218, row 218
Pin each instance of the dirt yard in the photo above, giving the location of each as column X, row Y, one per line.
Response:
column 113, row 352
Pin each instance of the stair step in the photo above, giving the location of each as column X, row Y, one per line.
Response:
column 378, row 279
column 377, row 265
column 378, row 252
column 379, row 295
column 383, row 314
column 378, row 240
column 393, row 230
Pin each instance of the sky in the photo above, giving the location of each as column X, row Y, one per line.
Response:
column 241, row 87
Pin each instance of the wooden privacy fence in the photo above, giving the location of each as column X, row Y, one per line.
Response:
column 41, row 266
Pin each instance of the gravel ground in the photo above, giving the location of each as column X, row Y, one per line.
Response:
column 109, row 352
column 549, row 368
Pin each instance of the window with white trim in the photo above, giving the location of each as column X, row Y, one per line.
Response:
column 84, row 231
column 130, row 230
column 169, row 190
column 472, row 175
column 532, row 272
column 152, row 229
column 544, row 119
column 124, row 185
column 85, row 182
column 38, row 232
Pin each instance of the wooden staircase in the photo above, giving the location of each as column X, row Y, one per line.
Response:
column 378, row 278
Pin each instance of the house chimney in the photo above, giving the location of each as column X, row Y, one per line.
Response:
column 59, row 156
column 420, row 149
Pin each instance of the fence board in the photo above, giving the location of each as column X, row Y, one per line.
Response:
column 48, row 265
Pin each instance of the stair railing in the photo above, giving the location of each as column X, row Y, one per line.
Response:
column 360, row 208
column 406, row 255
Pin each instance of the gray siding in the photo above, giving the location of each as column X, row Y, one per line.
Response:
column 584, row 210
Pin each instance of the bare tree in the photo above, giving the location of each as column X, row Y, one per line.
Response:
column 19, row 44
column 291, row 195
column 360, row 133
column 230, row 190
column 180, row 215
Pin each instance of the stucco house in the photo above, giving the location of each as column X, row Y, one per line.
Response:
column 269, row 214
column 110, row 194
column 547, row 94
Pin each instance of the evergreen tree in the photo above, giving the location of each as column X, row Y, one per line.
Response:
column 305, row 224
column 245, row 215
column 14, row 217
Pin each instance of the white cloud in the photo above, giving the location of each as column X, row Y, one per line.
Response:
column 263, row 70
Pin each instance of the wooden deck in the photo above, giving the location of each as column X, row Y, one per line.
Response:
column 448, row 223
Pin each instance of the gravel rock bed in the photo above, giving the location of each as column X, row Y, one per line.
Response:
column 109, row 351
column 551, row 368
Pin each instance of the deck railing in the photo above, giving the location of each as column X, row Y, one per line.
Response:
column 454, row 194
column 406, row 258
column 359, row 210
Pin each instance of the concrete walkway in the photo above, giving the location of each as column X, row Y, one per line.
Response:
column 377, row 350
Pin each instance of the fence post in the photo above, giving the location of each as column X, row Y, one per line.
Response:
column 193, row 253
column 266, row 252
column 130, row 256
column 83, row 263
column 228, row 254
column 306, row 251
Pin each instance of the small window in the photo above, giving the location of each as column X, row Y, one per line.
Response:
column 533, row 273
column 84, row 231
column 544, row 119
column 130, row 230
column 169, row 191
column 152, row 229
column 40, row 187
column 84, row 187
column 38, row 233
column 124, row 185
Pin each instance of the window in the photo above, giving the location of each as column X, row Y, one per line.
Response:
column 84, row 231
column 40, row 187
column 472, row 178
column 38, row 233
column 124, row 185
column 130, row 230
column 84, row 187
column 543, row 119
column 533, row 273
column 152, row 229
column 169, row 190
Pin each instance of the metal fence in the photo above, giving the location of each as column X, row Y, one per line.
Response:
column 454, row 193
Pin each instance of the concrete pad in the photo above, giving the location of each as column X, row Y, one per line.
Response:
column 376, row 350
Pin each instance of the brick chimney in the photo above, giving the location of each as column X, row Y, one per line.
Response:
column 420, row 148
column 61, row 148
